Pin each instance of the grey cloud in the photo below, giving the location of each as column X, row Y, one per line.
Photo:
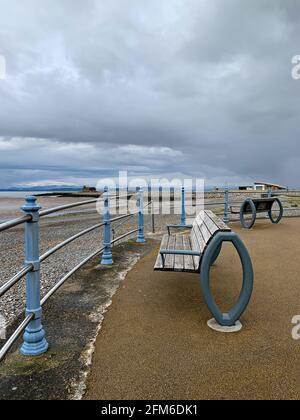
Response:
column 210, row 80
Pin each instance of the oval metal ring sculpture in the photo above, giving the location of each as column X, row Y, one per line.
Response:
column 276, row 221
column 243, row 212
column 228, row 319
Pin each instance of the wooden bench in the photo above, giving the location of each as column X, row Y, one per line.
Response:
column 196, row 250
column 256, row 206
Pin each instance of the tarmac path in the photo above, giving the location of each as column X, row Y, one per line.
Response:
column 155, row 343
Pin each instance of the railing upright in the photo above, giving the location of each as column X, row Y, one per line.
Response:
column 152, row 218
column 141, row 225
column 183, row 218
column 226, row 206
column 34, row 343
column 107, row 258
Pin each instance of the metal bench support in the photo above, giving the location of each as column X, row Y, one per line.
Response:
column 281, row 210
column 254, row 210
column 229, row 319
column 242, row 214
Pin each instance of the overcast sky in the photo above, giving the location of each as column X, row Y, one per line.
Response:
column 198, row 88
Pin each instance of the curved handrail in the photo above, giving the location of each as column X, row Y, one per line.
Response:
column 13, row 223
column 67, row 276
column 8, row 345
column 66, row 207
column 14, row 280
column 7, row 286
column 68, row 241
column 47, row 212
column 73, row 271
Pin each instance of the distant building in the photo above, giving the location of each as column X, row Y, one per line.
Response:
column 262, row 186
column 86, row 189
column 265, row 186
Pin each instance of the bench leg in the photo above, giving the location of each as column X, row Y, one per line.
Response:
column 229, row 319
column 242, row 214
column 276, row 221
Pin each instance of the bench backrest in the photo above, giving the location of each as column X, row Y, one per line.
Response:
column 206, row 225
column 261, row 205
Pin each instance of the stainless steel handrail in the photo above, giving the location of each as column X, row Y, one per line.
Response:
column 8, row 345
column 47, row 212
column 68, row 241
column 67, row 276
column 7, row 286
column 13, row 223
column 66, row 207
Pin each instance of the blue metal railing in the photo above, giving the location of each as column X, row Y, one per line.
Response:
column 34, row 339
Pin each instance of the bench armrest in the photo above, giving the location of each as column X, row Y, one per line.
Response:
column 164, row 252
column 169, row 227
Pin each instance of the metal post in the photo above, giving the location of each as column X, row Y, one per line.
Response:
column 140, row 205
column 153, row 218
column 226, row 206
column 183, row 219
column 107, row 255
column 34, row 343
column 270, row 193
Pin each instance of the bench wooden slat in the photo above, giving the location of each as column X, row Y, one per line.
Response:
column 188, row 259
column 220, row 224
column 179, row 259
column 163, row 245
column 205, row 226
column 196, row 263
column 170, row 259
column 211, row 226
column 204, row 231
column 198, row 243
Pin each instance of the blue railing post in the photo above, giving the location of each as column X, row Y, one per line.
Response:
column 34, row 343
column 270, row 193
column 107, row 255
column 183, row 219
column 140, row 205
column 226, row 206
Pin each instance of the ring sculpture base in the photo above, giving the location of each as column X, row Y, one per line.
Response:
column 214, row 325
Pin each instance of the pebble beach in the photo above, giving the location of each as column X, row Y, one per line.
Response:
column 53, row 230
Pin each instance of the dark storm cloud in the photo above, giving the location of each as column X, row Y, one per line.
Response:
column 192, row 87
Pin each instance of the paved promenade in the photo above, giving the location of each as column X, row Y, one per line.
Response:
column 155, row 344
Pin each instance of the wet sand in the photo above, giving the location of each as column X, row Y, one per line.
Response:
column 11, row 203
column 155, row 343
